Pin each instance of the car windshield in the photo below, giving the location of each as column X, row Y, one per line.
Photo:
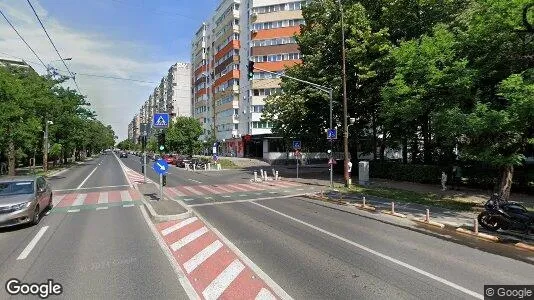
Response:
column 16, row 188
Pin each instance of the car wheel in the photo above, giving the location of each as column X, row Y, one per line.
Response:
column 36, row 216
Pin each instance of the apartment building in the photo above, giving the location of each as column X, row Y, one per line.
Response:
column 223, row 97
column 171, row 95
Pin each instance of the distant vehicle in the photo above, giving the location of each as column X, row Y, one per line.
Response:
column 123, row 154
column 181, row 161
column 23, row 199
column 170, row 159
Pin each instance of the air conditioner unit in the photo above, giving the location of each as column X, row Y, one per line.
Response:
column 254, row 31
column 253, row 17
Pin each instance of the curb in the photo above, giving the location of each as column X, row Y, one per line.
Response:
column 481, row 235
column 163, row 218
column 431, row 223
column 366, row 207
column 525, row 246
column 395, row 214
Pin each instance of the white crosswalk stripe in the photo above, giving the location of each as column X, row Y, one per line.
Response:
column 79, row 199
column 201, row 256
column 189, row 238
column 103, row 198
column 215, row 289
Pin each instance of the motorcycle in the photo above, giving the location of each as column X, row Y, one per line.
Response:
column 500, row 214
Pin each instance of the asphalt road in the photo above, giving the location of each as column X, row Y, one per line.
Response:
column 94, row 254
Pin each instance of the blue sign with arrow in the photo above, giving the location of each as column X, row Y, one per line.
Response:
column 160, row 166
column 332, row 134
column 161, row 120
column 296, row 145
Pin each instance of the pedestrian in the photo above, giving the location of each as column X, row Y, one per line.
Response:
column 443, row 181
column 349, row 168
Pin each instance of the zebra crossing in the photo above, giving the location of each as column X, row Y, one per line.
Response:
column 74, row 202
column 222, row 189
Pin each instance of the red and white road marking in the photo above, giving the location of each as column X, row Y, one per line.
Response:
column 212, row 268
column 201, row 190
column 80, row 199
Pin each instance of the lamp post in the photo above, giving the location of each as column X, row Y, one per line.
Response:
column 345, row 112
column 45, row 146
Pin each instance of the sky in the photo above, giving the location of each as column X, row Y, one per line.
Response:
column 137, row 39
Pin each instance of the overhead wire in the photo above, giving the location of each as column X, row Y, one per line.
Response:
column 20, row 36
column 53, row 45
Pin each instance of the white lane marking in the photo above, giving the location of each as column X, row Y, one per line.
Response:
column 103, row 198
column 86, row 178
column 238, row 188
column 209, row 189
column 180, row 275
column 249, row 263
column 101, row 207
column 264, row 294
column 215, row 289
column 90, row 188
column 128, row 205
column 194, row 180
column 286, row 191
column 73, row 210
column 300, row 189
column 125, row 196
column 226, row 196
column 189, row 199
column 273, row 192
column 177, row 226
column 57, row 198
column 379, row 254
column 243, row 195
column 32, row 243
column 201, row 256
column 245, row 200
column 193, row 190
column 208, row 198
column 79, row 200
column 188, row 238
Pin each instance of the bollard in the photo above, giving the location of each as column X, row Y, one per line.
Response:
column 205, row 167
column 392, row 207
column 255, row 176
column 194, row 167
column 475, row 226
column 276, row 176
column 427, row 217
column 364, row 201
column 218, row 166
column 209, row 166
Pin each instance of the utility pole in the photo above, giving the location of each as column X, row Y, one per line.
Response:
column 345, row 110
column 45, row 146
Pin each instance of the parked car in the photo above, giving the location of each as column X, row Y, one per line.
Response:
column 169, row 159
column 123, row 154
column 182, row 160
column 23, row 199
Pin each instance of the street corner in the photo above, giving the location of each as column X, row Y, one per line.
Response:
column 211, row 267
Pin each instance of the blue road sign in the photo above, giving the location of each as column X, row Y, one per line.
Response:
column 215, row 157
column 160, row 166
column 296, row 145
column 161, row 120
column 332, row 134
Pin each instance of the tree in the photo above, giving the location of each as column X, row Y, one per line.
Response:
column 430, row 78
column 183, row 135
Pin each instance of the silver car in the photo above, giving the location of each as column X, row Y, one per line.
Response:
column 23, row 199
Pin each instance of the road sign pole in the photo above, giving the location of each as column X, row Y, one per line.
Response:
column 144, row 167
column 297, row 166
column 161, row 186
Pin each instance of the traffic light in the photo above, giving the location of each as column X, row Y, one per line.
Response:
column 161, row 139
column 250, row 69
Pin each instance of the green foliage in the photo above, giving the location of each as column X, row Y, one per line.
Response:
column 183, row 134
column 28, row 101
column 55, row 151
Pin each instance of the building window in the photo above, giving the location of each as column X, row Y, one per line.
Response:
column 276, row 57
column 279, row 24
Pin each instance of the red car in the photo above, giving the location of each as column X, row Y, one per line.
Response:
column 169, row 159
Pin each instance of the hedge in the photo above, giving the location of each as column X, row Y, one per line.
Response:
column 474, row 174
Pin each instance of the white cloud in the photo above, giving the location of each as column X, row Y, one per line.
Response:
column 115, row 101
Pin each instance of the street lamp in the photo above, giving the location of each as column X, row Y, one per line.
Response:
column 345, row 112
column 45, row 146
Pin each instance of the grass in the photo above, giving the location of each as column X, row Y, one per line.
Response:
column 227, row 164
column 429, row 199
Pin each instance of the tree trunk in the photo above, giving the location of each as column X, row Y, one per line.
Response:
column 505, row 186
column 427, row 150
column 375, row 142
column 11, row 159
column 404, row 150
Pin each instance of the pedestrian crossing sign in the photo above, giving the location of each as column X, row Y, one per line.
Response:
column 161, row 120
